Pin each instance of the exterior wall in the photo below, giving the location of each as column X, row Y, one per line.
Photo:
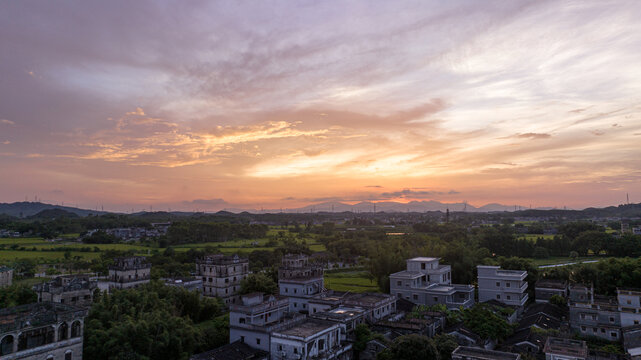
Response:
column 223, row 280
column 543, row 295
column 497, row 284
column 589, row 320
column 630, row 306
column 6, row 277
column 316, row 307
column 299, row 292
column 315, row 346
column 82, row 297
column 62, row 343
column 256, row 339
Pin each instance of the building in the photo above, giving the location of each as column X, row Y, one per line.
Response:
column 506, row 286
column 565, row 349
column 632, row 341
column 467, row 337
column 128, row 272
column 426, row 282
column 630, row 306
column 6, row 276
column 233, row 351
column 72, row 290
column 347, row 317
column 313, row 339
column 265, row 323
column 256, row 316
column 594, row 315
column 375, row 305
column 544, row 289
column 300, row 280
column 221, row 276
column 191, row 284
column 42, row 331
column 473, row 353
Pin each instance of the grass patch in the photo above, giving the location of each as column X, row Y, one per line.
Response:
column 354, row 281
column 42, row 257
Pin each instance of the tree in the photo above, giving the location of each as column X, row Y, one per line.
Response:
column 445, row 344
column 362, row 335
column 15, row 295
column 258, row 282
column 558, row 300
column 410, row 347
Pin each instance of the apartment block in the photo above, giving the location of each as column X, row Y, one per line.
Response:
column 300, row 280
column 506, row 286
column 630, row 306
column 265, row 323
column 221, row 276
column 427, row 282
column 594, row 315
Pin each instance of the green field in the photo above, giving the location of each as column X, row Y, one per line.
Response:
column 562, row 260
column 43, row 253
column 533, row 237
column 354, row 281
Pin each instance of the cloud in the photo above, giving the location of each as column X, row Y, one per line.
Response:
column 413, row 194
column 533, row 136
column 6, row 142
column 7, row 122
column 207, row 202
column 373, row 186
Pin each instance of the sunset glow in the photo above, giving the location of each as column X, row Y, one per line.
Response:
column 249, row 105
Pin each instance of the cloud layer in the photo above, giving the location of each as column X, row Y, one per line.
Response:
column 281, row 104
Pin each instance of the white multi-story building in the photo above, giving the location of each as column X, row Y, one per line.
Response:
column 221, row 276
column 630, row 306
column 265, row 323
column 299, row 281
column 506, row 286
column 313, row 339
column 427, row 282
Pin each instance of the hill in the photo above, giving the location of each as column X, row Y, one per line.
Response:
column 27, row 209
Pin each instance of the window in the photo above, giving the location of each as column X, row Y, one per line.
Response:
column 241, row 320
column 68, row 355
column 295, row 290
column 295, row 305
column 280, row 347
column 602, row 331
column 508, row 297
column 295, row 350
column 242, row 339
column 613, row 334
column 415, row 297
column 636, row 322
column 507, row 284
column 435, row 298
column 629, row 302
column 498, row 284
column 257, row 341
column 611, row 319
column 423, row 266
column 582, row 328
column 498, row 296
column 399, row 283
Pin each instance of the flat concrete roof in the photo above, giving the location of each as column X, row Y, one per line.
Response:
column 308, row 328
column 478, row 353
column 423, row 259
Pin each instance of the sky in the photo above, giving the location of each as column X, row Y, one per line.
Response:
column 205, row 105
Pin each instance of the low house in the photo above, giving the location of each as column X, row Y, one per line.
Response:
column 526, row 341
column 565, row 349
column 472, row 353
column 467, row 337
column 72, row 290
column 632, row 341
column 544, row 289
column 233, row 351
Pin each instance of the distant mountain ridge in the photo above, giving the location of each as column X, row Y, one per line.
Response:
column 391, row 206
column 27, row 209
